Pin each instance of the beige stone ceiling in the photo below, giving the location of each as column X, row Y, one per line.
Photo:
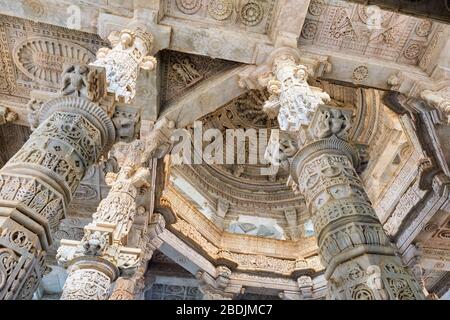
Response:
column 346, row 28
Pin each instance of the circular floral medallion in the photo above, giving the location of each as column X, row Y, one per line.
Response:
column 316, row 7
column 252, row 13
column 423, row 29
column 220, row 9
column 309, row 30
column 360, row 73
column 189, row 6
column 412, row 51
column 34, row 8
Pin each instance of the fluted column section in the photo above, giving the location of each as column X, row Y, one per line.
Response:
column 360, row 261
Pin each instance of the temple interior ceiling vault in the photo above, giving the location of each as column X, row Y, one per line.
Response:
column 224, row 230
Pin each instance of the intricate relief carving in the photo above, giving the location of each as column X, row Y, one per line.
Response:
column 84, row 81
column 126, row 124
column 424, row 27
column 123, row 62
column 353, row 28
column 412, row 51
column 42, row 59
column 86, row 284
column 332, row 122
column 252, row 13
column 316, row 7
column 345, row 222
column 182, row 71
column 220, row 9
column 360, row 73
column 297, row 100
column 21, row 261
column 309, row 30
column 189, row 6
column 39, row 198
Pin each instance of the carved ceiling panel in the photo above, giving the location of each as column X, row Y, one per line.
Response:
column 251, row 15
column 182, row 72
column 32, row 55
column 363, row 30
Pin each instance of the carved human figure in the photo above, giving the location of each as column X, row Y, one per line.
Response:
column 75, row 80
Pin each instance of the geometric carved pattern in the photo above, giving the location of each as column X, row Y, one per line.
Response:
column 181, row 72
column 39, row 199
column 250, row 14
column 32, row 54
column 172, row 292
column 358, row 29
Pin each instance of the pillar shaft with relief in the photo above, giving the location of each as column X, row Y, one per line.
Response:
column 38, row 182
column 360, row 260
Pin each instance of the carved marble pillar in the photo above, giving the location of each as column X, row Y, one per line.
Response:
column 132, row 287
column 107, row 238
column 37, row 184
column 360, row 261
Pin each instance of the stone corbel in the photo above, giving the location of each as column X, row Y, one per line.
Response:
column 123, row 62
column 305, row 285
column 285, row 73
column 439, row 100
column 258, row 76
column 214, row 288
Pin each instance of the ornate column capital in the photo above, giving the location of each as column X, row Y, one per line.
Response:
column 293, row 101
column 122, row 63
